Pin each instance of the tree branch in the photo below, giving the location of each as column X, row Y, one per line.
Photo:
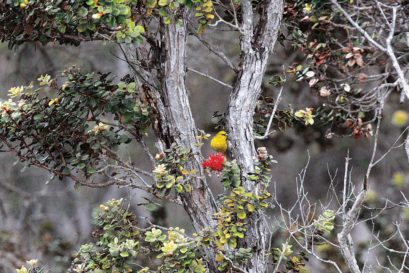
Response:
column 388, row 50
column 267, row 133
column 210, row 77
column 218, row 52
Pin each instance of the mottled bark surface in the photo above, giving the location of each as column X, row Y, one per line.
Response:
column 257, row 43
column 255, row 50
column 177, row 125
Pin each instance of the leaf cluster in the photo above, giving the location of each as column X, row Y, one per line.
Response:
column 170, row 173
column 178, row 252
column 120, row 245
column 117, row 244
column 236, row 208
column 69, row 133
column 71, row 22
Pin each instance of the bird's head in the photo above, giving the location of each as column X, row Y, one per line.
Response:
column 222, row 133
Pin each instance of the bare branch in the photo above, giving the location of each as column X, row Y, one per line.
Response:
column 358, row 27
column 388, row 49
column 407, row 146
column 218, row 52
column 210, row 77
column 277, row 102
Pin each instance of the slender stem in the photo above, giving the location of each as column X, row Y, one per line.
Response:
column 210, row 77
column 267, row 132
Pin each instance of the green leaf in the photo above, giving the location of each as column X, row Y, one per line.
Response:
column 83, row 12
column 66, row 171
column 233, row 243
column 250, row 207
column 179, row 188
column 62, row 28
column 38, row 117
column 124, row 254
column 162, row 3
column 132, row 85
column 184, row 250
column 124, row 10
column 82, row 28
column 253, row 177
column 242, row 215
column 167, row 20
column 91, row 170
column 170, row 184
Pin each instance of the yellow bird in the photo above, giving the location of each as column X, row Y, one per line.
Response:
column 219, row 142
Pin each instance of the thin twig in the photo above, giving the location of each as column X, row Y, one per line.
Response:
column 267, row 132
column 218, row 52
column 210, row 77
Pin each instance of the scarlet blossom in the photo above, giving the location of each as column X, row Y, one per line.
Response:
column 214, row 162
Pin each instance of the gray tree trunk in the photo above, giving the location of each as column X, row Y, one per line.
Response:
column 177, row 125
column 256, row 46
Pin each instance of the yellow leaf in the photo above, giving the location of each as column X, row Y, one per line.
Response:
column 209, row 17
column 219, row 258
column 53, row 101
column 241, row 215
column 250, row 207
column 400, row 118
column 398, row 179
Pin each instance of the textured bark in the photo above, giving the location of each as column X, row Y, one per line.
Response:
column 177, row 125
column 344, row 237
column 177, row 121
column 240, row 122
column 256, row 44
column 241, row 108
column 255, row 50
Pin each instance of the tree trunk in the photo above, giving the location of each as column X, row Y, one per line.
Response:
column 240, row 121
column 241, row 109
column 177, row 125
column 256, row 45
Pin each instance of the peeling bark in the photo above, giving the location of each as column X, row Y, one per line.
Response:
column 257, row 43
column 255, row 50
column 241, row 108
column 177, row 125
column 177, row 120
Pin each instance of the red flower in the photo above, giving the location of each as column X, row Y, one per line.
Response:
column 214, row 162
